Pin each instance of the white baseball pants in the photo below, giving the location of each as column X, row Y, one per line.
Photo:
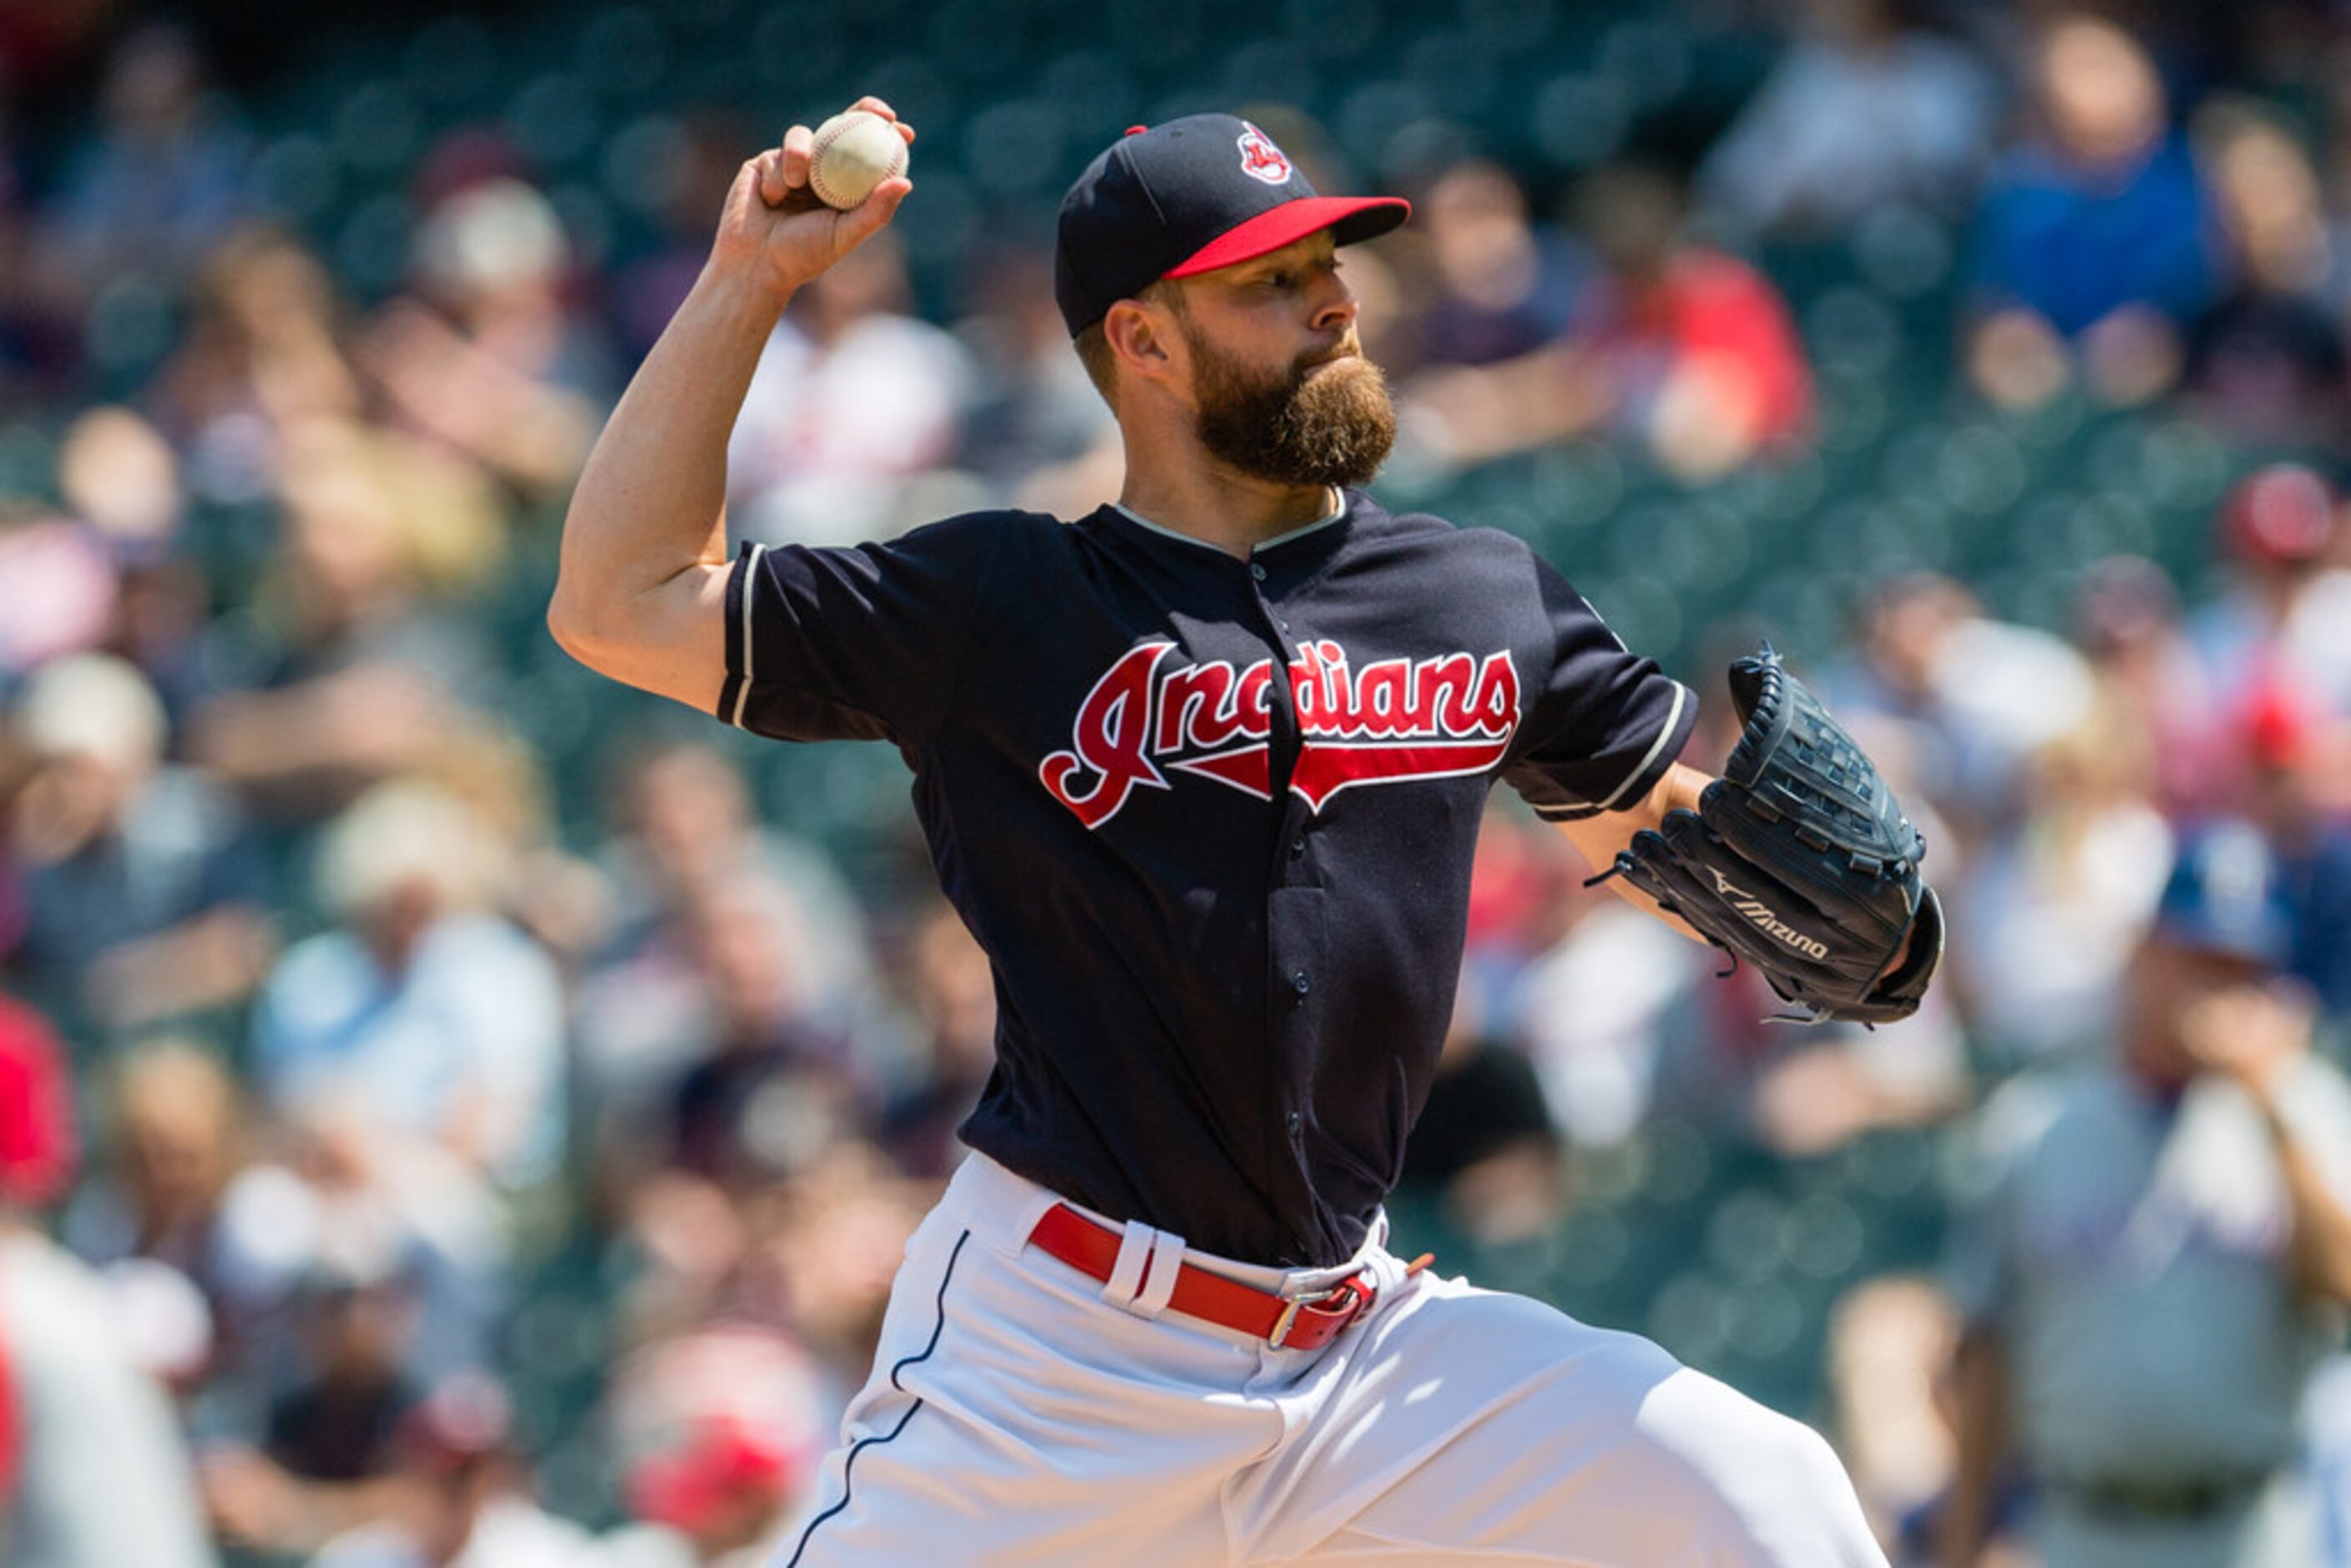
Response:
column 1016, row 1417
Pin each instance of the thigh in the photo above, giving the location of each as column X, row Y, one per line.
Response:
column 1012, row 1418
column 1467, row 1423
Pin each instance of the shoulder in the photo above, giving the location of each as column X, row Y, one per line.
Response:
column 975, row 536
column 479, row 946
column 1376, row 528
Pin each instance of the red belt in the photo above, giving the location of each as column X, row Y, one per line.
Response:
column 1304, row 1323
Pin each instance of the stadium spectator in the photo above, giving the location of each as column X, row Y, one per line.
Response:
column 648, row 1009
column 770, row 1088
column 686, row 820
column 692, row 161
column 856, row 398
column 120, row 478
column 1791, row 165
column 326, row 1461
column 1504, row 286
column 2284, row 613
column 953, row 989
column 1484, row 1145
column 2267, row 363
column 141, row 202
column 58, row 590
column 1490, row 372
column 2053, row 906
column 1591, row 1011
column 719, row 1434
column 490, row 357
column 2093, row 238
column 2149, row 1249
column 123, row 481
column 1889, row 1343
column 2294, row 790
column 1696, row 350
column 179, row 1188
column 422, row 1004
column 91, row 1467
column 353, row 675
column 463, row 1502
column 2126, row 621
column 371, row 1205
column 1971, row 697
column 1032, row 410
column 145, row 895
column 265, row 351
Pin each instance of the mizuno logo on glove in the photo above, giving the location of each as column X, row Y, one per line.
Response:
column 1760, row 913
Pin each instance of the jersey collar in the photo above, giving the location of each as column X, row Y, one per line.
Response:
column 1340, row 506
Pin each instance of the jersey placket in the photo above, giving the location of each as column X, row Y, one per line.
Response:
column 1295, row 927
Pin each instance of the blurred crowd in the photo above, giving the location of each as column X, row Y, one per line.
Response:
column 447, row 1116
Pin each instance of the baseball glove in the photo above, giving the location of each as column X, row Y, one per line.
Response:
column 1800, row 861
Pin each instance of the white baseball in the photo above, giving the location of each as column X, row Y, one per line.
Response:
column 853, row 152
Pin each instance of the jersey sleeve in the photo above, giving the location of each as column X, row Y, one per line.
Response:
column 1604, row 724
column 857, row 643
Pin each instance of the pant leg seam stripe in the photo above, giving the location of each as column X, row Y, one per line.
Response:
column 847, row 1465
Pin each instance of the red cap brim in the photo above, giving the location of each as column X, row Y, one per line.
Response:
column 1353, row 217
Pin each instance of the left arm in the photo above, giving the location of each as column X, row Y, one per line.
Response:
column 2319, row 1250
column 1598, row 838
column 2251, row 1036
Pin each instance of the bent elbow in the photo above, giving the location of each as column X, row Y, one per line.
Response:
column 573, row 628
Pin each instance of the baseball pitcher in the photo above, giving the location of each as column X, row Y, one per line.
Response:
column 1203, row 772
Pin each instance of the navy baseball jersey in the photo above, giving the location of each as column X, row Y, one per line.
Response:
column 1211, row 819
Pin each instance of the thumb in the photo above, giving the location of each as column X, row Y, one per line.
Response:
column 871, row 216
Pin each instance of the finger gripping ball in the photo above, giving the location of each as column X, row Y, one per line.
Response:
column 852, row 153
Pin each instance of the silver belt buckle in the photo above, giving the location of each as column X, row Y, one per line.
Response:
column 1346, row 1287
column 1281, row 1324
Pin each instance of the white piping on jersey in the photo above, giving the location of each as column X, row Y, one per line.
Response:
column 1338, row 510
column 1672, row 717
column 750, row 586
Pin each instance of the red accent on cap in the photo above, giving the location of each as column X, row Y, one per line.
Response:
column 2279, row 721
column 37, row 1129
column 2282, row 514
column 1136, row 130
column 1282, row 226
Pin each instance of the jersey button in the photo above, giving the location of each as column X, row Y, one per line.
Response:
column 1256, row 569
column 1296, row 1121
column 1300, row 983
column 1298, row 846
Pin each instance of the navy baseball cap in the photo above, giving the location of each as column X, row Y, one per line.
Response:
column 2226, row 894
column 1191, row 195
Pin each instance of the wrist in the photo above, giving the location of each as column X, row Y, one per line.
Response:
column 2277, row 1114
column 746, row 298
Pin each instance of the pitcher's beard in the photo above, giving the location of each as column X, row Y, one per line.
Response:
column 1294, row 427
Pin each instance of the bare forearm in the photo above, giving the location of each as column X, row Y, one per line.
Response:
column 643, row 577
column 650, row 502
column 2320, row 1247
column 1980, row 1395
column 1599, row 839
